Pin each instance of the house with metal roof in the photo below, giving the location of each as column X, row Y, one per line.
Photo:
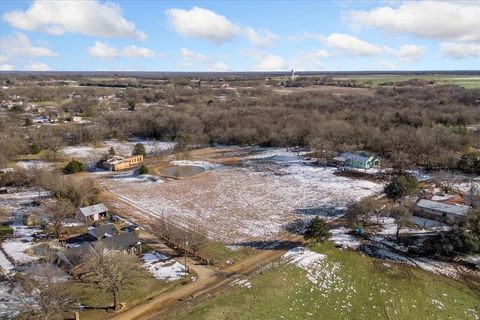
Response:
column 91, row 214
column 358, row 160
column 441, row 211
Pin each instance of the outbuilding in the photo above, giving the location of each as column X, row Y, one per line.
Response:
column 441, row 211
column 91, row 214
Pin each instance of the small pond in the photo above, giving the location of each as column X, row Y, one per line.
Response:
column 181, row 171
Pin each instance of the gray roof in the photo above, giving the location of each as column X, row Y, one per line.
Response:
column 123, row 241
column 443, row 207
column 91, row 210
column 105, row 230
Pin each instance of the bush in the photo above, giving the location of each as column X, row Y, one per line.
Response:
column 73, row 166
column 317, row 230
column 35, row 149
column 401, row 186
column 143, row 170
column 139, row 149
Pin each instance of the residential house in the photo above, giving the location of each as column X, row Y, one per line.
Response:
column 358, row 160
column 117, row 163
column 440, row 211
column 91, row 214
column 101, row 232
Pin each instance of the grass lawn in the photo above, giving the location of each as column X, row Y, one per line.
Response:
column 221, row 254
column 96, row 301
column 350, row 286
column 5, row 232
column 469, row 82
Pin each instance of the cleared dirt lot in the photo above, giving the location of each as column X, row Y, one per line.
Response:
column 256, row 197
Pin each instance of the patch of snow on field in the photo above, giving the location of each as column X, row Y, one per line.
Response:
column 163, row 268
column 5, row 264
column 244, row 283
column 22, row 241
column 253, row 201
column 34, row 164
column 122, row 148
column 322, row 273
column 341, row 237
column 132, row 177
column 204, row 164
column 12, row 300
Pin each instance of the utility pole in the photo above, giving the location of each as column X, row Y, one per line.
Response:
column 185, row 249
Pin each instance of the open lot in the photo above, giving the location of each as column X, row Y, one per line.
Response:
column 257, row 196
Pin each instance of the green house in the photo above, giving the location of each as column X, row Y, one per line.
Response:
column 359, row 160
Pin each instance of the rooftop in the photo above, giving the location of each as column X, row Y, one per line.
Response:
column 95, row 209
column 442, row 207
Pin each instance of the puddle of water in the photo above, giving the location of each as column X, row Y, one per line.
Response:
column 181, row 171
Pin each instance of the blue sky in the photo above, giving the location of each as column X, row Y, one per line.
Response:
column 239, row 36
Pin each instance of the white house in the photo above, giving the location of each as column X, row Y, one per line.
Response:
column 91, row 214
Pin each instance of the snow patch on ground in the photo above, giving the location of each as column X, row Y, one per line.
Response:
column 132, row 177
column 34, row 164
column 204, row 164
column 244, row 283
column 341, row 237
column 12, row 300
column 163, row 268
column 122, row 148
column 264, row 196
column 16, row 247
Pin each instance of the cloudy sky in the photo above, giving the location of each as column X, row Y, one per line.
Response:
column 241, row 36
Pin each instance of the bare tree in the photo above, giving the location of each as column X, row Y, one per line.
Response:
column 402, row 213
column 444, row 180
column 111, row 271
column 50, row 297
column 58, row 212
column 361, row 212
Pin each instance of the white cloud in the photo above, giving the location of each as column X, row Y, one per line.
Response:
column 189, row 58
column 350, row 45
column 103, row 50
column 407, row 52
column 219, row 67
column 263, row 39
column 137, row 52
column 192, row 55
column 299, row 37
column 37, row 66
column 88, row 17
column 443, row 20
column 271, row 62
column 208, row 25
column 460, row 50
column 20, row 45
column 202, row 23
column 6, row 67
column 388, row 65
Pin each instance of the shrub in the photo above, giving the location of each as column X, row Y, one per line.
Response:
column 35, row 149
column 139, row 149
column 73, row 166
column 143, row 170
column 401, row 186
column 317, row 230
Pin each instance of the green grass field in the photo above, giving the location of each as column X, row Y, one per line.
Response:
column 353, row 287
column 469, row 82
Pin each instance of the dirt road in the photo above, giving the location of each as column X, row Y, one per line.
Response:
column 168, row 303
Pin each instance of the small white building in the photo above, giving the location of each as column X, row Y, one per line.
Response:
column 91, row 214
